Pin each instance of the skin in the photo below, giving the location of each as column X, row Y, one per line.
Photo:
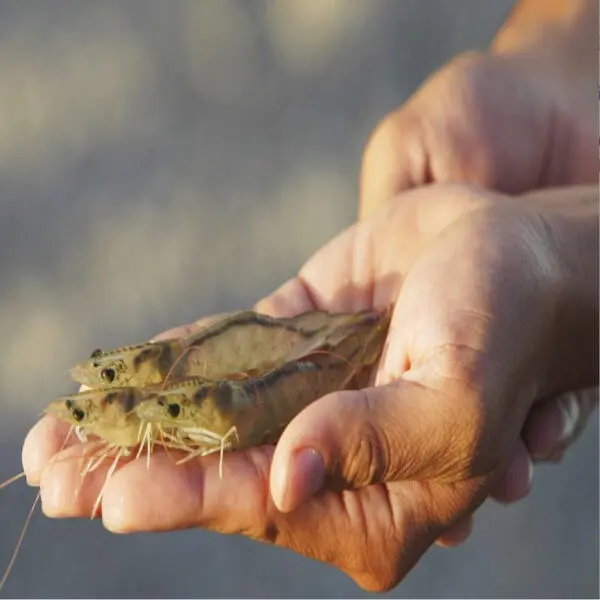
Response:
column 460, row 126
column 421, row 451
column 535, row 84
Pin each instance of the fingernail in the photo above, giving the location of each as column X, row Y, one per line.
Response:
column 570, row 413
column 303, row 478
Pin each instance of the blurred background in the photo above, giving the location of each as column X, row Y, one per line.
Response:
column 160, row 161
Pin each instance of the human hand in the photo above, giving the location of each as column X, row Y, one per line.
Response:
column 518, row 117
column 400, row 464
column 504, row 120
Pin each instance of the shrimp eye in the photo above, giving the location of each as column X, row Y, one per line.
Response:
column 78, row 414
column 173, row 410
column 107, row 375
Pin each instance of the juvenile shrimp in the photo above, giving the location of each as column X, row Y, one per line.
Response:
column 254, row 343
column 243, row 341
column 266, row 371
column 107, row 414
column 206, row 417
column 118, row 416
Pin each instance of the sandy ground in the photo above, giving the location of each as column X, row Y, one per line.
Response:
column 164, row 160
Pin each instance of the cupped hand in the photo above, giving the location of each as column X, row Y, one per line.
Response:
column 508, row 123
column 368, row 480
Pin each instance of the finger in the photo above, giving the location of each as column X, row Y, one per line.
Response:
column 42, row 442
column 354, row 439
column 363, row 535
column 68, row 489
column 552, row 425
column 515, row 484
column 290, row 299
column 363, row 267
column 165, row 486
column 457, row 534
column 544, row 429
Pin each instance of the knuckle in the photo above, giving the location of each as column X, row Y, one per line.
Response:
column 383, row 172
column 376, row 582
column 366, row 458
column 386, row 136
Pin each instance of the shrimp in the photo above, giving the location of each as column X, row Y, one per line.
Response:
column 243, row 341
column 253, row 343
column 106, row 414
column 205, row 417
column 124, row 416
column 232, row 385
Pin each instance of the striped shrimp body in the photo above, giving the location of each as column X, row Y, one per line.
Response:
column 254, row 343
column 211, row 417
column 107, row 414
column 243, row 342
column 205, row 417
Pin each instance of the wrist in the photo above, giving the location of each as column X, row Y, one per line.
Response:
column 555, row 42
column 558, row 35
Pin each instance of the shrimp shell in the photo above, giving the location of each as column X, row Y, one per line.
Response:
column 243, row 341
column 333, row 349
column 208, row 416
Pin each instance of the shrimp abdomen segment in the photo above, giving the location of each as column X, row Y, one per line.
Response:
column 247, row 341
column 347, row 364
column 285, row 392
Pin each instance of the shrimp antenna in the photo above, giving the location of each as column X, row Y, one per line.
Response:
column 328, row 353
column 13, row 558
column 164, row 445
column 12, row 480
column 109, row 475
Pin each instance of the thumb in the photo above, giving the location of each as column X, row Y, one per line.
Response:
column 352, row 439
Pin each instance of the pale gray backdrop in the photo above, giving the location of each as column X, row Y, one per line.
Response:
column 162, row 160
